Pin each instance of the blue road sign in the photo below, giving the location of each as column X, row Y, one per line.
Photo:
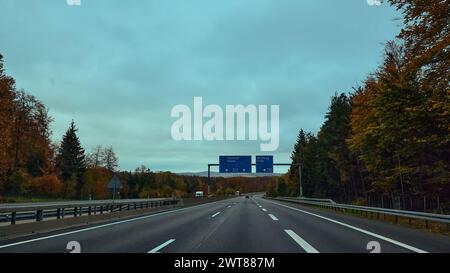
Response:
column 235, row 164
column 264, row 164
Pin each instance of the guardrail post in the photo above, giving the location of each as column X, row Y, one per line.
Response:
column 135, row 207
column 81, row 211
column 95, row 210
column 63, row 213
column 146, row 205
column 39, row 215
column 58, row 214
column 128, row 207
column 142, row 205
column 101, row 209
column 13, row 218
column 75, row 212
column 89, row 210
column 120, row 207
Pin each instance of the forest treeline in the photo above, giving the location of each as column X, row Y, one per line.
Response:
column 32, row 166
column 143, row 183
column 387, row 143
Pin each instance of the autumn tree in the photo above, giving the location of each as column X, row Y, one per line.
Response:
column 7, row 97
column 95, row 158
column 25, row 150
column 396, row 134
column 426, row 36
column 109, row 158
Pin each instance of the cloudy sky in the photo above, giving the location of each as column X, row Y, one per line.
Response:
column 118, row 67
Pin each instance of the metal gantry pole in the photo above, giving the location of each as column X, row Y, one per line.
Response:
column 300, row 179
column 209, row 179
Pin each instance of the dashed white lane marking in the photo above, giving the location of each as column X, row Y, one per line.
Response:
column 299, row 240
column 273, row 217
column 229, row 207
column 264, row 210
column 215, row 214
column 158, row 248
column 392, row 241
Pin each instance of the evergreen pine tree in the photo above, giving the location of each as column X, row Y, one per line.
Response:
column 71, row 160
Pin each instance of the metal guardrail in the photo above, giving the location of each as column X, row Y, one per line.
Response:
column 316, row 200
column 12, row 212
column 443, row 218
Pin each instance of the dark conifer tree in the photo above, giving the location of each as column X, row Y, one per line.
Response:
column 71, row 161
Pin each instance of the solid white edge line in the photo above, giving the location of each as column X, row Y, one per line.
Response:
column 273, row 217
column 299, row 240
column 105, row 225
column 215, row 214
column 158, row 248
column 392, row 241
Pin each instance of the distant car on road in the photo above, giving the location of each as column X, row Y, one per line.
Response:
column 199, row 194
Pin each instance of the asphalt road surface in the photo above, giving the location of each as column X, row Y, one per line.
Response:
column 238, row 225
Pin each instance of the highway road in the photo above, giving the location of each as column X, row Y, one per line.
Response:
column 237, row 225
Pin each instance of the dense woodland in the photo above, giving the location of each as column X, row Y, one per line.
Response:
column 387, row 143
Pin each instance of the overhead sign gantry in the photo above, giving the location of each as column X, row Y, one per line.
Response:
column 235, row 164
column 243, row 164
